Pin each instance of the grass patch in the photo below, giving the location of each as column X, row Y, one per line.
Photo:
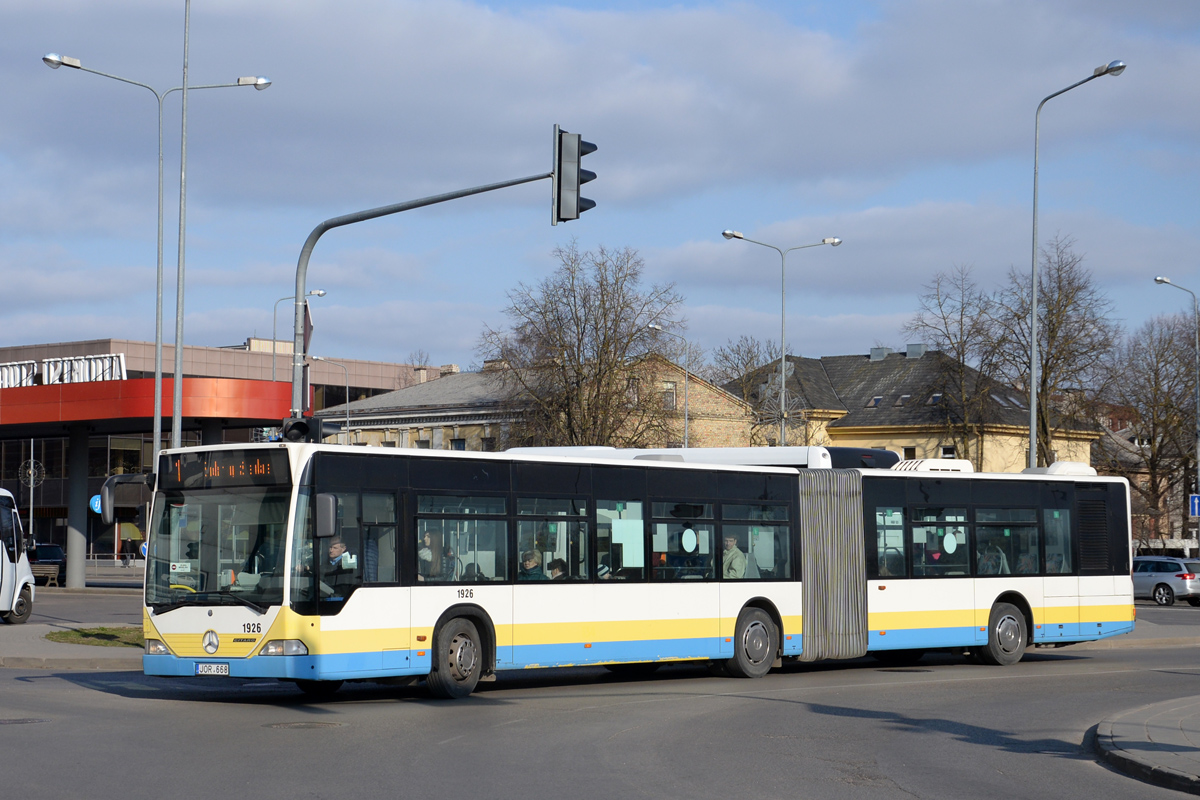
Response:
column 103, row 637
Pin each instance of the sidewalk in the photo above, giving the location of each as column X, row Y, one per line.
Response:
column 1159, row 743
column 26, row 647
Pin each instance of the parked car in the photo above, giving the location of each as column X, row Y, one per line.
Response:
column 50, row 554
column 1165, row 579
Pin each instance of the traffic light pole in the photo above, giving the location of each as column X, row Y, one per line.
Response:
column 298, row 403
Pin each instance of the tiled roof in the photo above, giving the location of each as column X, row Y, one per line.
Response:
column 897, row 390
column 464, row 389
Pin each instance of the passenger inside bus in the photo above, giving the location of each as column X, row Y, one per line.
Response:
column 733, row 560
column 531, row 567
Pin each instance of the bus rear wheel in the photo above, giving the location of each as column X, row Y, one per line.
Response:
column 457, row 660
column 1007, row 636
column 755, row 645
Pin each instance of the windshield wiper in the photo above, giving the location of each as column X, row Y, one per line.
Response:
column 162, row 608
column 242, row 600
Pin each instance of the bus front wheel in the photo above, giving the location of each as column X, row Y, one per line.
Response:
column 21, row 609
column 755, row 645
column 1007, row 636
column 457, row 660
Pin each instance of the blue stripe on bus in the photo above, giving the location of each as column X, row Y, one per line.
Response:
column 349, row 666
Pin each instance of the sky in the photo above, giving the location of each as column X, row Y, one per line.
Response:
column 904, row 128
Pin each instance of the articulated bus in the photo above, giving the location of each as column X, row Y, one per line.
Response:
column 320, row 564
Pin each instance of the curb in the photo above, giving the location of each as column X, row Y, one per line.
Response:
column 121, row 591
column 1155, row 774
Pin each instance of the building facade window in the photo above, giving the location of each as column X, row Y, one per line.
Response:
column 668, row 395
column 949, row 451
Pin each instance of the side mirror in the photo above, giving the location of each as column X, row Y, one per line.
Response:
column 326, row 515
column 108, row 493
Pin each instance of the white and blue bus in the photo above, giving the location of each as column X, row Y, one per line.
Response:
column 320, row 564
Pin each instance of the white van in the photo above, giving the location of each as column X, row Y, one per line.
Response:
column 16, row 578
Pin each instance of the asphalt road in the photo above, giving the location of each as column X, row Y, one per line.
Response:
column 946, row 728
column 51, row 606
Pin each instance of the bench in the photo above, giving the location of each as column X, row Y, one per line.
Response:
column 47, row 571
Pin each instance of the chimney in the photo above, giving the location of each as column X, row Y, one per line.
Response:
column 880, row 353
column 915, row 351
column 448, row 369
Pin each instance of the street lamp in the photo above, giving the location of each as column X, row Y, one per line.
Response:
column 1113, row 68
column 654, row 326
column 274, row 310
column 832, row 240
column 347, row 372
column 54, row 61
column 1196, row 330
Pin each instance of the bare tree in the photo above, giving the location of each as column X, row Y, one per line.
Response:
column 1075, row 335
column 578, row 370
column 418, row 359
column 955, row 317
column 1151, row 438
column 733, row 364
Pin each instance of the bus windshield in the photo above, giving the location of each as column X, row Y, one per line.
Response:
column 218, row 547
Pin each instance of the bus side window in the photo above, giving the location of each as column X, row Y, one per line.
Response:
column 1058, row 540
column 379, row 538
column 557, row 530
column 620, row 540
column 889, row 541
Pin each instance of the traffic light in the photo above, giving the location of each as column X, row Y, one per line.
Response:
column 569, row 150
column 308, row 429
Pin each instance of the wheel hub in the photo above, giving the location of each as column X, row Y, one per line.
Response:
column 1008, row 634
column 756, row 642
column 463, row 657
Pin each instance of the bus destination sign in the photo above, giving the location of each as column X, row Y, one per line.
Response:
column 212, row 469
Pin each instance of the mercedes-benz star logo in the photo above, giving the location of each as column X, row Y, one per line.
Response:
column 211, row 642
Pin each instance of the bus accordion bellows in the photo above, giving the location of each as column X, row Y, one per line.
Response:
column 320, row 564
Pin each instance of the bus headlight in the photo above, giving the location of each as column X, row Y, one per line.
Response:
column 284, row 647
column 156, row 648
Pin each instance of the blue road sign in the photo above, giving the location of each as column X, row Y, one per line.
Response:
column 1194, row 505
column 95, row 503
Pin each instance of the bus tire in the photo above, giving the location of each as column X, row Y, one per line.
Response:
column 1164, row 595
column 1007, row 636
column 319, row 688
column 457, row 660
column 22, row 608
column 755, row 645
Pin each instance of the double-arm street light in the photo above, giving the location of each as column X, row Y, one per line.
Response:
column 54, row 61
column 347, row 373
column 1196, row 331
column 654, row 326
column 1112, row 68
column 832, row 240
column 313, row 293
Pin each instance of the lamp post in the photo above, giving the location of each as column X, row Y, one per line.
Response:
column 654, row 326
column 347, row 373
column 832, row 240
column 1113, row 68
column 54, row 61
column 274, row 311
column 1196, row 331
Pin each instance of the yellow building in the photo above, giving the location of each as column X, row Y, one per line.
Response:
column 901, row 402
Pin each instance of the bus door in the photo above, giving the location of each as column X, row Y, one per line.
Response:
column 1060, row 586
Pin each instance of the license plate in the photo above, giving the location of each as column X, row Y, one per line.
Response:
column 212, row 669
